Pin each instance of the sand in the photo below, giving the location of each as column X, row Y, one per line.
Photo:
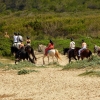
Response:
column 49, row 84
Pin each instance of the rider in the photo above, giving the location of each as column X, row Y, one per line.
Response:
column 72, row 45
column 15, row 39
column 50, row 46
column 19, row 39
column 21, row 48
column 28, row 41
column 84, row 46
column 21, row 45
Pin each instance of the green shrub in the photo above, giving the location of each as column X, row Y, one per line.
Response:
column 23, row 72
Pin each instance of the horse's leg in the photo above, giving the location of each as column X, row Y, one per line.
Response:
column 75, row 58
column 43, row 59
column 82, row 57
column 69, row 59
column 78, row 57
column 48, row 59
column 56, row 58
column 32, row 51
column 17, row 60
column 32, row 60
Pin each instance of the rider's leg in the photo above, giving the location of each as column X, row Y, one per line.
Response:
column 80, row 51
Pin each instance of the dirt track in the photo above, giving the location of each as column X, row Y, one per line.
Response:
column 49, row 84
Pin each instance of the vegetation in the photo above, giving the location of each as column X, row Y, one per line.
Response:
column 49, row 5
column 58, row 20
column 94, row 62
column 24, row 71
column 91, row 73
column 91, row 66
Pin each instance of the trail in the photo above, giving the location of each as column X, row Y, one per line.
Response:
column 49, row 84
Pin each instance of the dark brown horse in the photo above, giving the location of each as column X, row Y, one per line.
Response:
column 71, row 53
column 65, row 50
column 23, row 54
column 86, row 53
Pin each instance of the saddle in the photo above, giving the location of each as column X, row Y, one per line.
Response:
column 85, row 50
column 53, row 50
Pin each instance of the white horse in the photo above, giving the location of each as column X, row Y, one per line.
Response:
column 53, row 53
column 97, row 49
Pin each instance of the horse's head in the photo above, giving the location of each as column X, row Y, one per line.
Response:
column 14, row 50
column 41, row 48
column 96, row 48
column 65, row 50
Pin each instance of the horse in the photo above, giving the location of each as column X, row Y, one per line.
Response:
column 30, row 51
column 70, row 53
column 97, row 50
column 65, row 50
column 14, row 50
column 53, row 53
column 23, row 54
column 85, row 53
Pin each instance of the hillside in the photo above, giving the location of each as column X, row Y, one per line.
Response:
column 49, row 5
column 56, row 20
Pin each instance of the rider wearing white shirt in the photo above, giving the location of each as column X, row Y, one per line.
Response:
column 15, row 40
column 84, row 46
column 72, row 45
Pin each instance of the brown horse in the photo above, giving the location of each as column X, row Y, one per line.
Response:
column 23, row 54
column 86, row 53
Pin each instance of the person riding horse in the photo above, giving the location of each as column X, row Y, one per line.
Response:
column 72, row 45
column 84, row 46
column 15, row 40
column 50, row 46
column 28, row 41
column 21, row 48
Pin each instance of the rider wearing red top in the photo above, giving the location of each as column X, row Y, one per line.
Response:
column 50, row 46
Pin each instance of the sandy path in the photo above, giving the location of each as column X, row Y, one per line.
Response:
column 49, row 84
column 63, row 61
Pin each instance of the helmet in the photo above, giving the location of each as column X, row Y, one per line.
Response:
column 27, row 37
column 51, row 42
column 71, row 39
column 18, row 33
column 82, row 40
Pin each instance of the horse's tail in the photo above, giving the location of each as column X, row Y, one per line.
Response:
column 32, row 51
column 57, row 54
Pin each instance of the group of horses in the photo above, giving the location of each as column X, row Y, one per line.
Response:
column 28, row 53
column 74, row 53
